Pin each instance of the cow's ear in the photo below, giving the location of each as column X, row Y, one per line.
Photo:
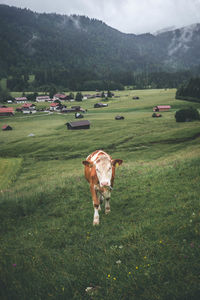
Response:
column 117, row 162
column 87, row 163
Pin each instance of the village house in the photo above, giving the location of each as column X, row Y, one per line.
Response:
column 61, row 97
column 6, row 111
column 28, row 108
column 55, row 106
column 21, row 100
column 43, row 99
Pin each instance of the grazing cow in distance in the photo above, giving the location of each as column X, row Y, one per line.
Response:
column 100, row 173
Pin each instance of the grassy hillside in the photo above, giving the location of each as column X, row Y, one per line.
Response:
column 147, row 248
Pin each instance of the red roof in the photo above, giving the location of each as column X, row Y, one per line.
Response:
column 60, row 96
column 6, row 109
column 28, row 105
column 163, row 106
column 4, row 126
column 54, row 104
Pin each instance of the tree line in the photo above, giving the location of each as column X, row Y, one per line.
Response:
column 189, row 91
column 86, row 80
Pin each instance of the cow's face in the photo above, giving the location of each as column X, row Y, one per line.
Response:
column 104, row 171
column 104, row 168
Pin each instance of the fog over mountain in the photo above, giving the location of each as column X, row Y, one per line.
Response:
column 138, row 16
column 32, row 41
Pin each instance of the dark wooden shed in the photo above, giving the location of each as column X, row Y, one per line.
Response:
column 78, row 125
column 97, row 105
column 119, row 118
column 6, row 127
column 78, row 115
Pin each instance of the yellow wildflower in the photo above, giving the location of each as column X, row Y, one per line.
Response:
column 114, row 278
column 136, row 267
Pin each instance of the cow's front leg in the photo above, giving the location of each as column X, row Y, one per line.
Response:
column 107, row 195
column 107, row 206
column 95, row 204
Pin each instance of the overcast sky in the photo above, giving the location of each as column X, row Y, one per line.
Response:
column 130, row 16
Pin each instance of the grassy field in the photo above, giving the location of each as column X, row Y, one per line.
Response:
column 147, row 248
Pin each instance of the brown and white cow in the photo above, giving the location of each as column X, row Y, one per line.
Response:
column 100, row 173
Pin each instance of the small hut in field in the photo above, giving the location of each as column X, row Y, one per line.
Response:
column 78, row 125
column 162, row 108
column 6, row 127
column 119, row 118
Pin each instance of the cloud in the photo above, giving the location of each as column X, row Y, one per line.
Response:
column 131, row 16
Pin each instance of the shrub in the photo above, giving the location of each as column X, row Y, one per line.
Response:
column 186, row 115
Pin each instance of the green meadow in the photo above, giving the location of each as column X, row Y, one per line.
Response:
column 147, row 248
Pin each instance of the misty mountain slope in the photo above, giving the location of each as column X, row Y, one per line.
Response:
column 30, row 41
column 182, row 46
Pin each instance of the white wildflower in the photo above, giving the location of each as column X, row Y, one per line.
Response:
column 118, row 262
column 88, row 289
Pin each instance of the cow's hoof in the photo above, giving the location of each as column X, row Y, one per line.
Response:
column 95, row 223
column 107, row 211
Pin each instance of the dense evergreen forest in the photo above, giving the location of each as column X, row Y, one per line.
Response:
column 190, row 91
column 41, row 51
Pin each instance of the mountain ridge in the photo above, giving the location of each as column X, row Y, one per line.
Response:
column 31, row 41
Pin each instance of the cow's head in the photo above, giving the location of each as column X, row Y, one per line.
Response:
column 104, row 168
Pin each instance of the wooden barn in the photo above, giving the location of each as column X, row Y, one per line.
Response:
column 156, row 115
column 43, row 99
column 6, row 111
column 78, row 115
column 6, row 127
column 78, row 125
column 97, row 105
column 162, row 108
column 119, row 118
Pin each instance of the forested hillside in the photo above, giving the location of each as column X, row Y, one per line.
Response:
column 190, row 91
column 72, row 51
